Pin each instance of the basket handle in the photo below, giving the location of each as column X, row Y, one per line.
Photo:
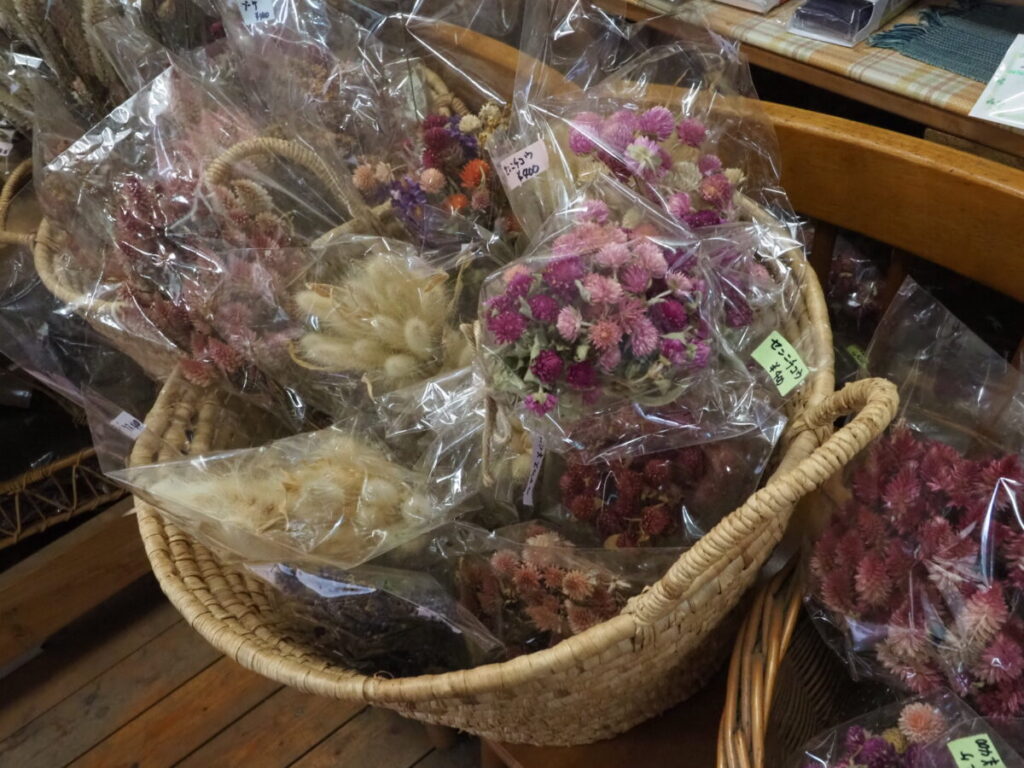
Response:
column 219, row 169
column 18, row 178
column 874, row 403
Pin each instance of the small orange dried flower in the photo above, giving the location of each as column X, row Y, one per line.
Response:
column 474, row 173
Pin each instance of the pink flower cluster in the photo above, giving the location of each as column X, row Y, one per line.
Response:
column 638, row 148
column 537, row 595
column 927, row 559
column 607, row 307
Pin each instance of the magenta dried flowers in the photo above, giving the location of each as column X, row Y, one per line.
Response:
column 608, row 313
column 894, row 742
column 666, row 159
column 924, row 564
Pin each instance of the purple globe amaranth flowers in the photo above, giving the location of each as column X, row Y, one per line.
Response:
column 705, row 218
column 670, row 315
column 691, row 132
column 547, row 366
column 507, row 327
column 540, row 403
column 544, row 308
column 657, row 122
column 582, row 376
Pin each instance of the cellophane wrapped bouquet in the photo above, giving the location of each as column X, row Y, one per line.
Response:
column 916, row 577
column 466, row 423
column 934, row 731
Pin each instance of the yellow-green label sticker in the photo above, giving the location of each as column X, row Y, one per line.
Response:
column 858, row 355
column 781, row 361
column 975, row 751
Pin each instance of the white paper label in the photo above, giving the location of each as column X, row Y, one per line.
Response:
column 255, row 11
column 538, row 462
column 5, row 148
column 128, row 425
column 526, row 164
column 1002, row 101
column 27, row 61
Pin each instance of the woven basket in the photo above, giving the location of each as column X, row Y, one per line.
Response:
column 663, row 647
column 785, row 684
column 42, row 497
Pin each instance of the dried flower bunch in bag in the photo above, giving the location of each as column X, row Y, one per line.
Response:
column 387, row 317
column 328, row 496
column 917, row 575
column 935, row 731
column 532, row 587
column 451, row 187
column 606, row 309
column 380, row 621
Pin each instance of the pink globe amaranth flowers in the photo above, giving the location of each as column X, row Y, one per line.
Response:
column 674, row 351
column 617, row 135
column 540, row 403
column 544, row 308
column 582, row 376
column 602, row 290
column 518, row 284
column 564, row 271
column 657, row 122
column 643, row 158
column 636, row 278
column 679, row 205
column 582, row 128
column 716, row 190
column 709, row 164
column 679, row 283
column 613, row 255
column 610, row 359
column 604, row 334
column 643, row 337
column 507, row 327
column 651, row 258
column 691, row 132
column 569, row 323
column 547, row 366
column 595, row 211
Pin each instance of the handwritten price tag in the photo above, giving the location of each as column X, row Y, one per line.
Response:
column 537, row 463
column 128, row 425
column 5, row 148
column 781, row 361
column 526, row 164
column 255, row 11
column 975, row 751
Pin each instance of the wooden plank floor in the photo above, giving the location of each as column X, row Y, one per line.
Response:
column 130, row 685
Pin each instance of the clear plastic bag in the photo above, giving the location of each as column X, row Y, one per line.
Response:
column 664, row 498
column 531, row 587
column 380, row 621
column 856, row 281
column 916, row 576
column 935, row 731
column 608, row 334
column 678, row 123
column 375, row 310
column 337, row 496
column 171, row 180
